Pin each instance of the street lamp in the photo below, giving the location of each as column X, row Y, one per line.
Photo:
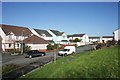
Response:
column 22, row 35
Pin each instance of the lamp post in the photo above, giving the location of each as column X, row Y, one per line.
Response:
column 22, row 35
column 85, row 39
column 55, row 53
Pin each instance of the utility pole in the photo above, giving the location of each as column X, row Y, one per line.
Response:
column 85, row 39
column 22, row 42
column 56, row 51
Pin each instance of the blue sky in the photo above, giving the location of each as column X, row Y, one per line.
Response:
column 93, row 18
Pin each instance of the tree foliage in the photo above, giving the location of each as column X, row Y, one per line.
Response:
column 50, row 47
column 76, row 40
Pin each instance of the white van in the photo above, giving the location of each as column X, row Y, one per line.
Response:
column 67, row 50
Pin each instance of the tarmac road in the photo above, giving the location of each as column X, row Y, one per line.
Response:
column 21, row 60
column 30, row 64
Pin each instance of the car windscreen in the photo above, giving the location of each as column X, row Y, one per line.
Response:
column 31, row 52
column 64, row 50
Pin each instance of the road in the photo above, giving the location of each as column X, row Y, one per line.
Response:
column 30, row 64
column 21, row 60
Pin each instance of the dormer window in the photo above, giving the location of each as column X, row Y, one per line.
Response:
column 10, row 34
column 43, row 35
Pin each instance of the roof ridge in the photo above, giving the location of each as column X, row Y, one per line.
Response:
column 13, row 26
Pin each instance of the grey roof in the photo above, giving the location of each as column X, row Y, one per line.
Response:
column 57, row 33
column 41, row 32
column 76, row 35
column 94, row 37
column 107, row 36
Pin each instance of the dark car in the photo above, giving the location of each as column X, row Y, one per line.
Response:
column 34, row 53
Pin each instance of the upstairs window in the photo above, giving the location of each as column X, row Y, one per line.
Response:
column 43, row 35
column 9, row 45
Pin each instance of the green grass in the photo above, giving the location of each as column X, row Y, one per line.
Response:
column 93, row 64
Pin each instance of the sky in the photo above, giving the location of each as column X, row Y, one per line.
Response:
column 92, row 18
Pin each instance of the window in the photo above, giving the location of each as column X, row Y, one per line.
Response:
column 43, row 35
column 10, row 37
column 17, row 45
column 9, row 45
column 64, row 36
column 68, row 49
column 17, row 37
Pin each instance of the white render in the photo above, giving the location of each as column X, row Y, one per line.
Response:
column 38, row 46
column 84, row 38
column 117, row 34
column 107, row 39
column 58, row 39
column 95, row 39
column 9, row 40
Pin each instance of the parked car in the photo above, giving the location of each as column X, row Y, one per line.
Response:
column 34, row 53
column 67, row 50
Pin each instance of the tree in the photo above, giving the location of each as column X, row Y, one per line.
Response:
column 26, row 48
column 49, row 47
column 76, row 40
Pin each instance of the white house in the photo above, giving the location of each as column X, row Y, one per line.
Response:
column 94, row 39
column 43, row 34
column 116, row 34
column 83, row 37
column 59, row 37
column 36, row 43
column 0, row 43
column 12, row 36
column 106, row 38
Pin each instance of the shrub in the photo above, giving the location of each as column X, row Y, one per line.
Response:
column 118, row 43
column 110, row 43
column 26, row 48
column 95, row 42
column 49, row 47
column 76, row 40
column 100, row 45
column 57, row 46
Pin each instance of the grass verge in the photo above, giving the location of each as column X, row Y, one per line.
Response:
column 101, row 63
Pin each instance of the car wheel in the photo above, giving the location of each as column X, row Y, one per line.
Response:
column 42, row 54
column 30, row 56
column 65, row 54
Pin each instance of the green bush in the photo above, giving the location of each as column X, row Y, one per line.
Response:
column 95, row 42
column 118, row 43
column 57, row 46
column 26, row 48
column 49, row 47
column 76, row 40
column 100, row 45
column 110, row 43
